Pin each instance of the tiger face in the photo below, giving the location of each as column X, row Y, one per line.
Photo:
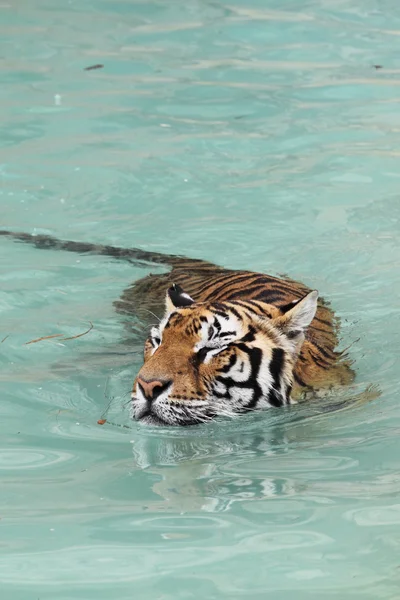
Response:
column 219, row 359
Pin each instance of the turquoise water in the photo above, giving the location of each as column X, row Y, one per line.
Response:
column 255, row 134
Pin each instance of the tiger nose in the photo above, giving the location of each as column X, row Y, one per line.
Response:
column 152, row 389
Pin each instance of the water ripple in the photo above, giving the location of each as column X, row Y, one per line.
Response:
column 104, row 563
column 17, row 459
column 254, row 134
column 305, row 464
column 376, row 516
column 270, row 542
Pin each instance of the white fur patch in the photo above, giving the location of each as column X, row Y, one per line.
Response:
column 219, row 387
column 241, row 371
column 241, row 396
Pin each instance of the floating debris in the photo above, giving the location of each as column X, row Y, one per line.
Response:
column 63, row 339
column 45, row 337
column 74, row 337
column 93, row 67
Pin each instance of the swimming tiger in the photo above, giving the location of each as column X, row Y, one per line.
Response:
column 228, row 342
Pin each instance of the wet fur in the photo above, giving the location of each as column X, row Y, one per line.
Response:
column 318, row 366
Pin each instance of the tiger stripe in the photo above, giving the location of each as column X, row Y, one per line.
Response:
column 319, row 363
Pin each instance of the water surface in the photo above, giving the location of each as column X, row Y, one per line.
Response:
column 255, row 134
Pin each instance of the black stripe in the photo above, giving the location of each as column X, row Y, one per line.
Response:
column 286, row 307
column 237, row 314
column 196, row 324
column 245, row 304
column 294, row 333
column 219, row 306
column 275, row 367
column 299, row 380
column 248, row 311
column 270, row 297
column 246, row 291
column 231, row 279
column 275, row 398
column 276, row 364
column 327, row 354
column 221, row 394
column 255, row 357
column 242, row 346
column 319, row 360
column 326, row 332
column 261, row 308
column 217, row 325
column 250, row 335
column 323, row 321
column 220, row 314
column 230, row 382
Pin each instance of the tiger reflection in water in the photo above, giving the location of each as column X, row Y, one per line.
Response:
column 237, row 461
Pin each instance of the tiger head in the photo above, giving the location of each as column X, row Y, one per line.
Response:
column 219, row 358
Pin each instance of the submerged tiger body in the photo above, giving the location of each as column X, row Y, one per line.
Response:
column 228, row 342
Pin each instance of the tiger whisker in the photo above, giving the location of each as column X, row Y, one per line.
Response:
column 153, row 314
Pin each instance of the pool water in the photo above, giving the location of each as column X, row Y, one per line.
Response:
column 255, row 134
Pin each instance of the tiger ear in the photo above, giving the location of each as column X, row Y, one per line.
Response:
column 297, row 318
column 177, row 298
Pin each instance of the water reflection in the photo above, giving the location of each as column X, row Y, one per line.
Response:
column 272, row 454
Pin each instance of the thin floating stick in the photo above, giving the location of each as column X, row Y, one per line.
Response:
column 45, row 337
column 63, row 339
column 103, row 419
column 74, row 337
column 4, row 338
column 100, row 422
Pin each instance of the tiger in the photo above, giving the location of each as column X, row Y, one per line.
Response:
column 227, row 341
